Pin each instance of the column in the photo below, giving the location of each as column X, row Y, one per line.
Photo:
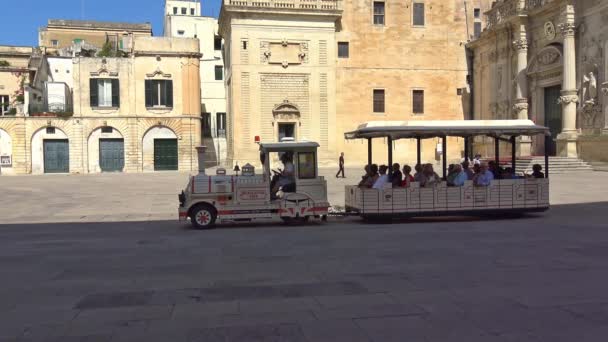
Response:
column 521, row 89
column 566, row 141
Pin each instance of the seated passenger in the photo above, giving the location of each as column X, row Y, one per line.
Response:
column 495, row 169
column 537, row 171
column 382, row 180
column 429, row 177
column 476, row 170
column 396, row 177
column 484, row 177
column 372, row 178
column 508, row 173
column 407, row 177
column 418, row 175
column 460, row 177
column 467, row 170
column 365, row 176
column 451, row 174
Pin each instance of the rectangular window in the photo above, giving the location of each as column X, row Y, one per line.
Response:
column 418, row 9
column 159, row 93
column 379, row 101
column 50, row 130
column 206, row 125
column 181, row 32
column 306, row 165
column 477, row 13
column 105, row 92
column 217, row 43
column 4, row 103
column 244, row 45
column 54, row 43
column 184, row 10
column 477, row 29
column 220, row 124
column 219, row 72
column 174, row 10
column 107, row 130
column 418, row 101
column 378, row 12
column 343, row 50
column 192, row 11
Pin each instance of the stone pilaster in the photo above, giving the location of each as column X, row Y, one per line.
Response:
column 566, row 141
column 521, row 88
column 605, row 93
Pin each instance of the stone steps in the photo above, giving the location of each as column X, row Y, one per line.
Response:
column 556, row 165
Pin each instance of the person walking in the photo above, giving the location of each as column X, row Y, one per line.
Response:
column 341, row 166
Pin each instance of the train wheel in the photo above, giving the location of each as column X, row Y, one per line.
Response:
column 203, row 216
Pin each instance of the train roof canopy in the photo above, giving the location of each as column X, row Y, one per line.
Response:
column 438, row 128
column 289, row 146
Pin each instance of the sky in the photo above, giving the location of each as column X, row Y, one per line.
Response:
column 21, row 28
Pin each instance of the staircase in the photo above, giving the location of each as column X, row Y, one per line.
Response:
column 556, row 165
column 210, row 156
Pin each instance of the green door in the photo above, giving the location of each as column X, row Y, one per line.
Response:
column 165, row 154
column 111, row 155
column 56, row 156
column 553, row 115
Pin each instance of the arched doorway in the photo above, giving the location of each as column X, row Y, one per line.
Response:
column 106, row 150
column 286, row 120
column 6, row 153
column 160, row 150
column 50, row 151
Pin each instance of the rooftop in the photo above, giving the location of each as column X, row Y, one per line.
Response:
column 99, row 25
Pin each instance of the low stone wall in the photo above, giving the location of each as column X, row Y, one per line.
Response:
column 593, row 148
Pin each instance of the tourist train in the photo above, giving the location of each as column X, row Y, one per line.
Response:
column 297, row 193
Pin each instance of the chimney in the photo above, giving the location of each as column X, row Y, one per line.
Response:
column 200, row 150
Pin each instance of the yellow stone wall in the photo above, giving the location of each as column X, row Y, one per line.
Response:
column 179, row 61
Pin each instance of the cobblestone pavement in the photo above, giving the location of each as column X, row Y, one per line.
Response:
column 153, row 196
column 538, row 278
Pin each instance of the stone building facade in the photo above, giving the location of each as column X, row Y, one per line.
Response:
column 135, row 113
column 317, row 69
column 61, row 34
column 183, row 19
column 546, row 60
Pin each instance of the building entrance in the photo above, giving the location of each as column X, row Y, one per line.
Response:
column 553, row 115
column 287, row 130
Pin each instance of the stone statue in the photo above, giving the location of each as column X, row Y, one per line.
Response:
column 589, row 89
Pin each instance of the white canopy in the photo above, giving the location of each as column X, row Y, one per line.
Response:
column 438, row 128
column 288, row 146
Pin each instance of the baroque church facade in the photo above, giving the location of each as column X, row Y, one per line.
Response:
column 546, row 60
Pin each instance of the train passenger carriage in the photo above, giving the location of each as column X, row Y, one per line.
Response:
column 501, row 196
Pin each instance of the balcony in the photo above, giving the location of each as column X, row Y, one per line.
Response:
column 307, row 5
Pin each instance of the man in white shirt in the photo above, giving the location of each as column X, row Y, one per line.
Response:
column 383, row 179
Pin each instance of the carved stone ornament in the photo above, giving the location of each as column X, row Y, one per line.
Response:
column 550, row 32
column 589, row 114
column 567, row 99
column 521, row 44
column 158, row 72
column 286, row 111
column 103, row 70
column 568, row 29
column 605, row 88
column 520, row 105
column 548, row 56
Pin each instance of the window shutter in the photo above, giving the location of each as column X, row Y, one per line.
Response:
column 94, row 88
column 149, row 94
column 115, row 93
column 169, row 93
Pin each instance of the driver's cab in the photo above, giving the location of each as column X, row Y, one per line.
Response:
column 290, row 168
